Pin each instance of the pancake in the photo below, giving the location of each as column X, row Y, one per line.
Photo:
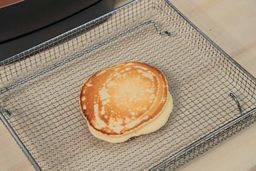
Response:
column 125, row 100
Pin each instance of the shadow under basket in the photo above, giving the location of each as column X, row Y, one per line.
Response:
column 214, row 97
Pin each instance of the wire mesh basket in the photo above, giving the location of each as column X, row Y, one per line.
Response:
column 214, row 97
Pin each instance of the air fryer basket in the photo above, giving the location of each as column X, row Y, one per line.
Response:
column 214, row 97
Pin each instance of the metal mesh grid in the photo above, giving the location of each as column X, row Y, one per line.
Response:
column 42, row 92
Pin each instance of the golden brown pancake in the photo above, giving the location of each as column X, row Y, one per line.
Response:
column 124, row 98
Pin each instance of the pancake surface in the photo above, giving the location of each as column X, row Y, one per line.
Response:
column 123, row 98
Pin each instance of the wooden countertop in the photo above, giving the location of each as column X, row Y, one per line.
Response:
column 232, row 25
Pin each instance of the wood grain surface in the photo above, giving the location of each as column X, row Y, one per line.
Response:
column 232, row 25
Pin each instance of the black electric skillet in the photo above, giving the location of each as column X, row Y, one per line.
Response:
column 27, row 23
